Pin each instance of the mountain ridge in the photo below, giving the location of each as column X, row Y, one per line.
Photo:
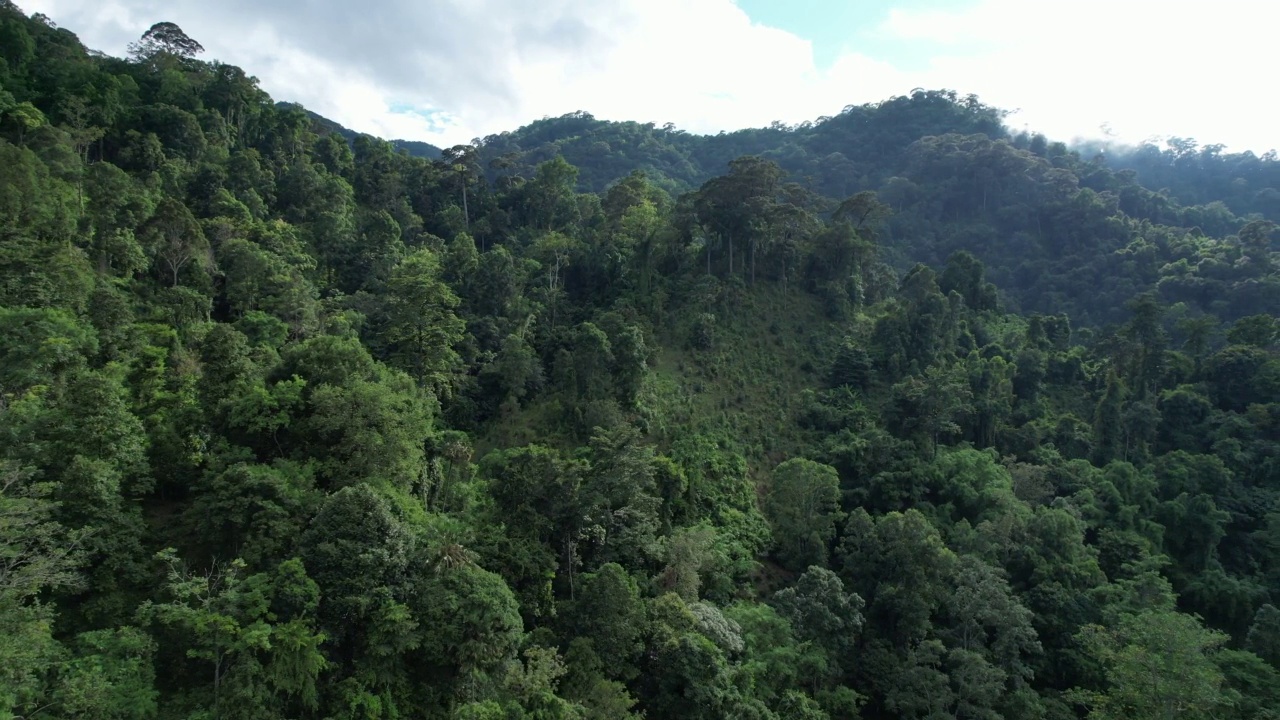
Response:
column 415, row 148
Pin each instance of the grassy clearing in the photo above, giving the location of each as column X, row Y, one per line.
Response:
column 766, row 347
column 743, row 388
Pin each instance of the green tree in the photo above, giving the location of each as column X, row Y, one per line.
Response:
column 473, row 618
column 803, row 508
column 174, row 240
column 610, row 613
column 1158, row 664
column 1264, row 635
column 207, row 607
column 366, row 431
column 1256, row 330
column 258, row 509
column 167, row 38
column 1108, row 431
column 929, row 406
column 822, row 612
column 111, row 676
column 620, row 494
column 37, row 555
column 1145, row 333
column 249, row 629
column 422, row 325
column 900, row 563
column 549, row 198
column 117, row 205
column 39, row 264
column 555, row 250
column 987, row 619
column 966, row 275
column 734, row 207
column 539, row 493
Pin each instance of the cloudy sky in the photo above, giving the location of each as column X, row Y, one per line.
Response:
column 447, row 71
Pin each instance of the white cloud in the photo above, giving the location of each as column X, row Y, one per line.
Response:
column 1146, row 68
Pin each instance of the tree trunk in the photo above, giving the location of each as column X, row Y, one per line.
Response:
column 217, row 685
column 466, row 214
column 568, row 554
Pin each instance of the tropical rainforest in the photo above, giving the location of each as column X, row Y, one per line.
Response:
column 894, row 414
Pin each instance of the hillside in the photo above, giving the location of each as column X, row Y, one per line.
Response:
column 835, row 156
column 1041, row 216
column 891, row 415
column 325, row 126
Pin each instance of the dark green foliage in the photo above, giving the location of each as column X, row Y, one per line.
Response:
column 851, row 367
column 803, row 510
column 895, row 414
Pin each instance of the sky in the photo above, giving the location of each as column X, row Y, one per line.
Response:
column 448, row 71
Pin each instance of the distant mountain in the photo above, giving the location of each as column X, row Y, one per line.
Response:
column 324, row 125
column 861, row 147
column 858, row 148
column 864, row 146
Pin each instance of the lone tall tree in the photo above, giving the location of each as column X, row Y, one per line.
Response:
column 167, row 38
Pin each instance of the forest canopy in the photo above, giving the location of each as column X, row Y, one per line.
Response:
column 894, row 414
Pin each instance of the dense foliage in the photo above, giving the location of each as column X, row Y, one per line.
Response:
column 894, row 415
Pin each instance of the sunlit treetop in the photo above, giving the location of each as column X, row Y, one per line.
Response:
column 167, row 38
